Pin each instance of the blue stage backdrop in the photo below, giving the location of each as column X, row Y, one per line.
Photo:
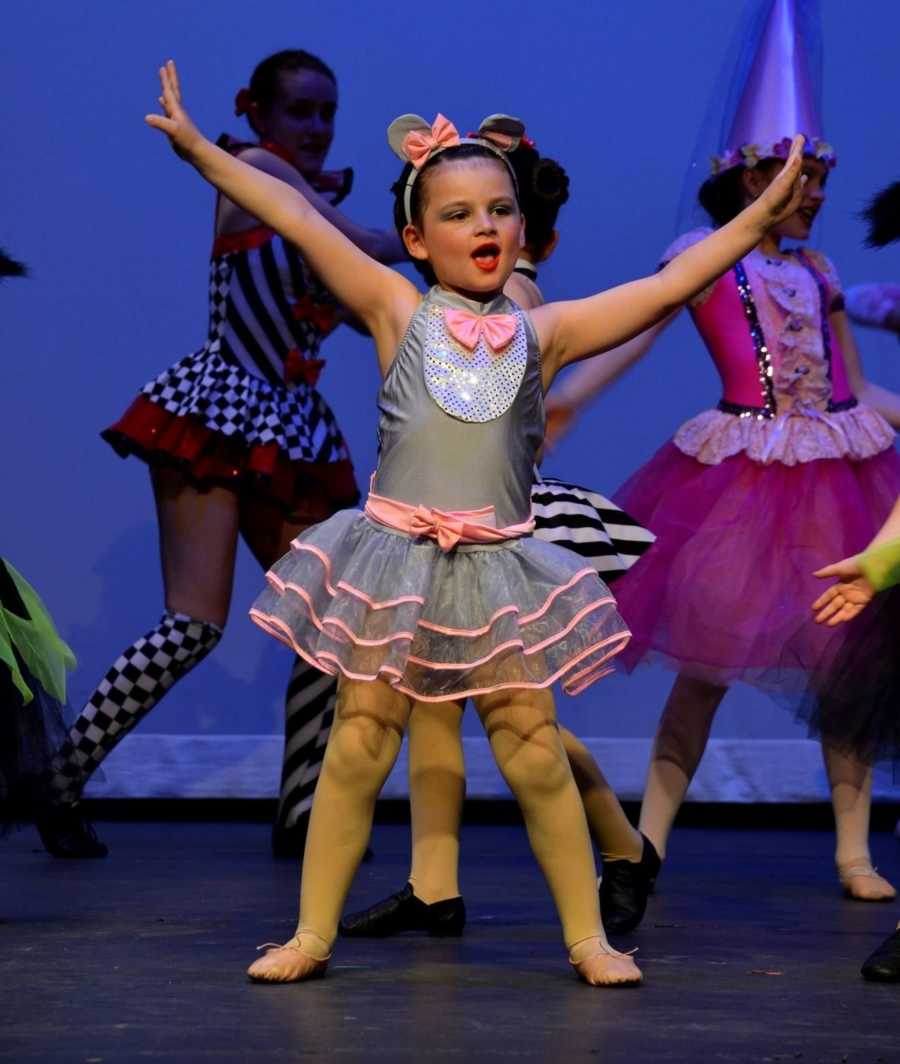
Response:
column 117, row 233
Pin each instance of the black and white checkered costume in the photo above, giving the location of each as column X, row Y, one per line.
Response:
column 138, row 678
column 235, row 384
column 268, row 315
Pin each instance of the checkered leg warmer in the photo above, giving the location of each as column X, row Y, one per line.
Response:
column 132, row 687
column 309, row 712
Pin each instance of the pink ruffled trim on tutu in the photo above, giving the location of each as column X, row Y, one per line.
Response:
column 343, row 585
column 321, row 623
column 282, row 586
column 470, row 621
column 329, row 663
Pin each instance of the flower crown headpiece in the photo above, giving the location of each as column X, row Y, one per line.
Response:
column 414, row 141
column 750, row 155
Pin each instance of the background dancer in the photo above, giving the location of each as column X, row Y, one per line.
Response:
column 239, row 444
column 796, row 465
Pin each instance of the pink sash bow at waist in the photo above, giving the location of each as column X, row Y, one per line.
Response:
column 447, row 527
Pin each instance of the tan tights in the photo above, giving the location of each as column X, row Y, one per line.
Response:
column 437, row 789
column 369, row 722
column 679, row 746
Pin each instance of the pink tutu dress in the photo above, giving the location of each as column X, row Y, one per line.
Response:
column 439, row 587
column 788, row 473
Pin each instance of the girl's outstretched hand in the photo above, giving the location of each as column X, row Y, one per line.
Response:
column 785, row 192
column 847, row 598
column 175, row 123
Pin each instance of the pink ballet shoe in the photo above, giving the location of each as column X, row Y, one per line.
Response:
column 605, row 966
column 287, row 963
column 861, row 882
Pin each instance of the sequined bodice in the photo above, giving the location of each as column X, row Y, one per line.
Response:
column 460, row 429
column 786, row 396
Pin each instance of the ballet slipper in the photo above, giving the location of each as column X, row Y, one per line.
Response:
column 861, row 882
column 601, row 965
column 288, row 963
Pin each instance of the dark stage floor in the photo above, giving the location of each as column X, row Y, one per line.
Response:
column 749, row 954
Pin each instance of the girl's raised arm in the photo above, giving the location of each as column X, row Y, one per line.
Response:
column 380, row 297
column 573, row 330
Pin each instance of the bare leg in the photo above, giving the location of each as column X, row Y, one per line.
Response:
column 610, row 829
column 370, row 719
column 197, row 541
column 437, row 790
column 679, row 745
column 521, row 727
column 851, row 799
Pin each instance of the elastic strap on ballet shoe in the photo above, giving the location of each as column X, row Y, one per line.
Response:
column 294, row 943
column 603, row 950
column 852, row 869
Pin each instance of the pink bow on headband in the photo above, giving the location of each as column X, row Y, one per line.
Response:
column 420, row 146
column 467, row 329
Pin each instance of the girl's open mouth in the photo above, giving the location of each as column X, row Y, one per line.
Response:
column 487, row 257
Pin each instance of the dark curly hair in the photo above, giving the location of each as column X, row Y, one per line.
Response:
column 543, row 189
column 264, row 81
column 883, row 215
column 10, row 267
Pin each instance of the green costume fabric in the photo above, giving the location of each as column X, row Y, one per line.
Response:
column 35, row 639
column 881, row 565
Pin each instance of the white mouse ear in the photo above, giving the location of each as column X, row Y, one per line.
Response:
column 400, row 129
column 503, row 131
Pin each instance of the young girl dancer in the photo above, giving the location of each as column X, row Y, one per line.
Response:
column 239, row 443
column 795, row 465
column 438, row 592
column 579, row 520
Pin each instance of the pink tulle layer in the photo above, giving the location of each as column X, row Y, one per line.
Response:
column 729, row 580
column 357, row 599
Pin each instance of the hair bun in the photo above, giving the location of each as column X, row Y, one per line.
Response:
column 550, row 181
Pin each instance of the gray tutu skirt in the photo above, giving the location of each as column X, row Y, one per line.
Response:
column 357, row 599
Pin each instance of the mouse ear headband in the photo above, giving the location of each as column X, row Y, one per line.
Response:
column 414, row 141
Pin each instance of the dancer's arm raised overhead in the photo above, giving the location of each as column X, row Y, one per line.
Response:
column 381, row 298
column 575, row 329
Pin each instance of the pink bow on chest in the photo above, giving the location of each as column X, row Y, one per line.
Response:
column 467, row 328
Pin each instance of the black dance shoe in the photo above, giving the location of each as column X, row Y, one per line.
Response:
column 405, row 912
column 883, row 966
column 66, row 834
column 625, row 887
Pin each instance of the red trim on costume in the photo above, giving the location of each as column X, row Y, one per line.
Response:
column 212, row 459
column 246, row 240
